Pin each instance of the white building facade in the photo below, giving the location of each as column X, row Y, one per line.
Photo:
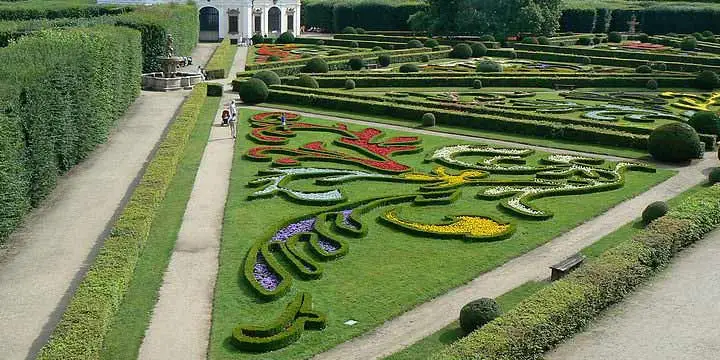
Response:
column 238, row 19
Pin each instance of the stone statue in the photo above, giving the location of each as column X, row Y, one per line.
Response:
column 632, row 24
column 169, row 46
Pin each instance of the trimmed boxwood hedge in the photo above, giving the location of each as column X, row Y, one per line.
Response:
column 564, row 308
column 83, row 326
column 221, row 60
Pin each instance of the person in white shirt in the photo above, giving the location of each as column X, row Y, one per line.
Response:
column 233, row 119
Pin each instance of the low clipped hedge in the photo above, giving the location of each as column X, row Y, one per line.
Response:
column 564, row 308
column 218, row 67
column 82, row 328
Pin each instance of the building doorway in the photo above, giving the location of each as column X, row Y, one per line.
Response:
column 274, row 20
column 209, row 24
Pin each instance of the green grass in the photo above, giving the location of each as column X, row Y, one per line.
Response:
column 430, row 345
column 389, row 271
column 126, row 333
column 222, row 58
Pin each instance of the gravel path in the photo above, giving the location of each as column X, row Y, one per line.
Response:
column 48, row 256
column 180, row 325
column 432, row 316
column 675, row 316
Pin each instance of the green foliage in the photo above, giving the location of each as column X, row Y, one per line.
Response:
column 384, row 60
column 652, row 84
column 487, row 66
column 348, row 30
column 705, row 122
column 307, row 81
column 269, row 77
column 320, row 42
column 428, row 119
column 487, row 37
column 334, row 15
column 56, row 9
column 614, row 37
column 714, row 176
column 461, row 51
column 409, row 68
column 477, row 84
column 360, row 30
column 98, row 296
column 707, row 80
column 415, row 44
column 316, row 65
column 543, row 40
column 530, row 40
column 675, row 142
column 431, row 43
column 585, row 41
column 286, row 38
column 274, row 58
column 214, row 90
column 688, row 44
column 643, row 69
column 659, row 66
column 478, row 49
column 475, row 314
column 654, row 211
column 356, row 63
column 349, row 84
column 222, row 60
column 425, row 58
column 253, row 91
column 259, row 39
column 377, row 48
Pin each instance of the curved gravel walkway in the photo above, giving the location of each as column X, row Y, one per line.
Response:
column 434, row 315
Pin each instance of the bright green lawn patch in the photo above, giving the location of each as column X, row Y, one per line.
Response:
column 387, row 272
column 222, row 59
column 451, row 333
column 128, row 329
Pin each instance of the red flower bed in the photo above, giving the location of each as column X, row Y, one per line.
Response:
column 636, row 45
column 281, row 51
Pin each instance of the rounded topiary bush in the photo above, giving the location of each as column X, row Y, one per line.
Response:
column 349, row 84
column 512, row 55
column 354, row 44
column 414, row 44
column 335, row 52
column 707, row 79
column 675, row 142
column 428, row 119
column 477, row 313
column 585, row 60
column 478, row 49
column 696, row 35
column 642, row 37
column 487, row 66
column 654, row 211
column 705, row 122
column 585, row 40
column 477, row 84
column 530, row 40
column 659, row 66
column 651, row 84
column 714, row 176
column 688, row 44
column 431, row 43
column 286, row 38
column 487, row 37
column 643, row 69
column 543, row 40
column 614, row 37
column 356, row 63
column 320, row 42
column 707, row 33
column 360, row 30
column 257, row 39
column 268, row 77
column 461, row 51
column 307, row 81
column 384, row 60
column 316, row 65
column 253, row 91
column 409, row 68
column 348, row 30
column 377, row 48
column 425, row 58
column 274, row 58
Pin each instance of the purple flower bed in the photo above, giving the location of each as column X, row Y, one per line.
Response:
column 264, row 275
column 328, row 246
column 293, row 229
column 346, row 217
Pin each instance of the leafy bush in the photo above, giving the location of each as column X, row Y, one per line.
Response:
column 428, row 119
column 431, row 43
column 614, row 37
column 320, row 42
column 478, row 49
column 675, row 142
column 307, row 81
column 356, row 63
column 651, row 84
column 476, row 314
column 642, row 37
column 253, row 91
column 360, row 30
column 409, row 68
column 384, row 60
column 512, row 55
column 487, row 66
column 349, row 84
column 707, row 80
column 354, row 44
column 530, row 40
column 274, row 58
column 688, row 43
column 659, row 66
column 269, row 77
column 286, row 38
column 259, row 39
column 214, row 90
column 424, row 58
column 714, row 176
column 348, row 30
column 654, row 211
column 416, row 44
column 696, row 35
column 335, row 52
column 377, row 48
column 461, row 51
column 585, row 60
column 705, row 122
column 487, row 38
column 643, row 69
column 585, row 40
column 707, row 33
column 543, row 40
column 316, row 65
column 477, row 84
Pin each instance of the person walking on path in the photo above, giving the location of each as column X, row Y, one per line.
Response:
column 233, row 119
column 283, row 120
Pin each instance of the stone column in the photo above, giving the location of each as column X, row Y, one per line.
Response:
column 283, row 19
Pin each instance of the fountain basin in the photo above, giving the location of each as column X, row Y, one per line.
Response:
column 158, row 81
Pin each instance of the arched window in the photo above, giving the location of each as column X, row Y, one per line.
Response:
column 274, row 20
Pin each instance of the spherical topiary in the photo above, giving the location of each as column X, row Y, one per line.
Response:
column 428, row 119
column 320, row 42
column 696, row 35
column 335, row 52
column 477, row 84
column 643, row 69
column 651, row 84
column 286, row 38
column 349, row 84
column 348, row 30
column 384, row 60
column 487, row 38
column 478, row 49
column 512, row 55
column 707, row 79
column 431, row 43
column 642, row 37
column 530, row 40
column 688, row 44
column 585, row 60
column 477, row 313
column 354, row 44
column 707, row 33
column 543, row 40
column 269, row 77
column 377, row 48
column 461, row 51
column 425, row 58
column 356, row 63
column 274, row 58
column 315, row 65
column 675, row 142
column 257, row 39
column 585, row 40
column 614, row 37
column 409, row 68
column 307, row 81
column 414, row 44
column 659, row 66
column 360, row 30
column 714, row 176
column 253, row 91
column 489, row 66
column 705, row 122
column 654, row 211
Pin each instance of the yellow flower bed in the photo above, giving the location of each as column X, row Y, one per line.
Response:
column 474, row 226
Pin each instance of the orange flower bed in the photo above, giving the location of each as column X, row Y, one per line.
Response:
column 281, row 51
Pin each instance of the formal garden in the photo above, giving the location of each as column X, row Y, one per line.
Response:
column 403, row 175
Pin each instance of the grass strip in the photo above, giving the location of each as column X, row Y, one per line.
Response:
column 218, row 67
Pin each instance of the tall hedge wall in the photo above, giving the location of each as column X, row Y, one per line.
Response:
column 655, row 18
column 334, row 15
column 60, row 94
column 55, row 9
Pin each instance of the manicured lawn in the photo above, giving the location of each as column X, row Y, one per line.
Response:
column 387, row 272
column 128, row 329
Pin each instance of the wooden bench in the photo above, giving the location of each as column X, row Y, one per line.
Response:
column 566, row 266
column 564, row 87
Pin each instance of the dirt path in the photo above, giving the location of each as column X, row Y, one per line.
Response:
column 675, row 316
column 180, row 325
column 48, row 256
column 432, row 316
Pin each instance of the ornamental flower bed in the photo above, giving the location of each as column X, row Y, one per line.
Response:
column 284, row 52
column 637, row 45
